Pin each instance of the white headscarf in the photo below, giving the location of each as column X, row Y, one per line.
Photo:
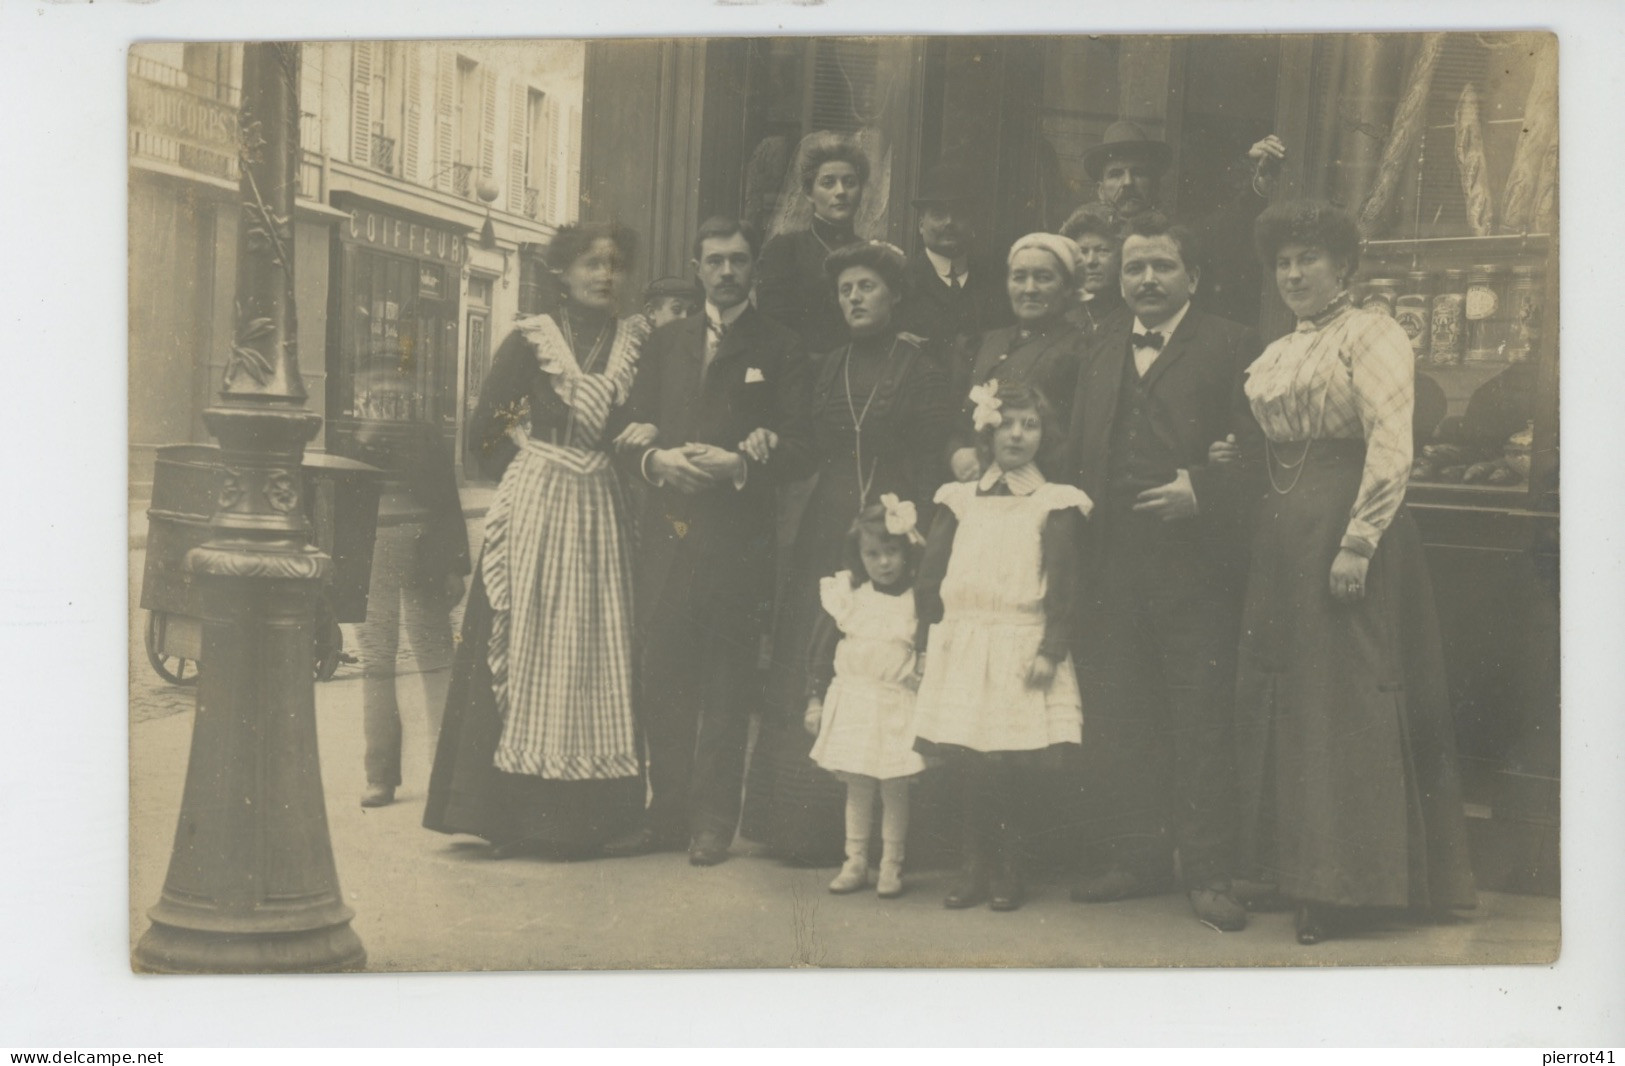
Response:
column 1064, row 249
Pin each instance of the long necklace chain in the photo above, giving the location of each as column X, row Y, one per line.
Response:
column 858, row 417
column 1298, row 466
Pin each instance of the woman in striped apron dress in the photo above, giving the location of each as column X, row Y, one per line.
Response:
column 539, row 750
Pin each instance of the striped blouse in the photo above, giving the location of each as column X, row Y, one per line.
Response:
column 1344, row 375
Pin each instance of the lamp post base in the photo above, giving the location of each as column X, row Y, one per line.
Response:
column 170, row 949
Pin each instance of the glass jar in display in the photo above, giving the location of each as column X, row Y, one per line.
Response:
column 1449, row 306
column 1380, row 295
column 1526, row 293
column 1411, row 312
column 1485, row 312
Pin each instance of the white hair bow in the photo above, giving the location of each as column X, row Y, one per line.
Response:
column 986, row 399
column 901, row 518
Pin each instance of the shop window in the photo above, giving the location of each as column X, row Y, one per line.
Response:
column 1461, row 256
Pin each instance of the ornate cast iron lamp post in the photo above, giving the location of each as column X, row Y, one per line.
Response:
column 251, row 884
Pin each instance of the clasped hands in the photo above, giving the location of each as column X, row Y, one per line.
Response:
column 694, row 467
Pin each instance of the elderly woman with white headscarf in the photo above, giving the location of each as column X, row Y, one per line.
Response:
column 1043, row 350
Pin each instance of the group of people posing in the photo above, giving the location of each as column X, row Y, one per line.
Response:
column 1079, row 568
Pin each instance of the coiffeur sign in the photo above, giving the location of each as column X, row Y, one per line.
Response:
column 400, row 235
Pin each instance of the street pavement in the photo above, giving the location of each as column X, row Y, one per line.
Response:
column 425, row 901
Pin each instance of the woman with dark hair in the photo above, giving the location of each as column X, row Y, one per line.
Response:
column 790, row 282
column 1347, row 757
column 1098, row 233
column 881, row 413
column 1043, row 349
column 538, row 753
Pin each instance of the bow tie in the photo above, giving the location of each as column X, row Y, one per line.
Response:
column 1152, row 340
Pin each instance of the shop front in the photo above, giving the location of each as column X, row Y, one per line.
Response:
column 1444, row 144
column 393, row 331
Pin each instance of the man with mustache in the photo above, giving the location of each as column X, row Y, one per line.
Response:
column 957, row 294
column 1127, row 167
column 720, row 418
column 1161, row 582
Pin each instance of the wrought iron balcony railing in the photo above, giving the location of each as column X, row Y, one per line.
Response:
column 462, row 179
column 533, row 202
column 383, row 153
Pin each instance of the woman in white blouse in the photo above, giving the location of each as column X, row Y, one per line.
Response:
column 1350, row 793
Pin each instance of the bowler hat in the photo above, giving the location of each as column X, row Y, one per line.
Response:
column 1125, row 138
column 944, row 183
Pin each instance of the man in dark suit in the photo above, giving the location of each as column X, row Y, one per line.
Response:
column 1162, row 578
column 956, row 292
column 726, row 392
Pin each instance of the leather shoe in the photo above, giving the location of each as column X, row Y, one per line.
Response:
column 969, row 891
column 639, row 841
column 378, row 796
column 1215, row 906
column 1006, row 894
column 1111, row 886
column 1309, row 924
column 707, row 849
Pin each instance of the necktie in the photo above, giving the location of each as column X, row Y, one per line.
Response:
column 1151, row 339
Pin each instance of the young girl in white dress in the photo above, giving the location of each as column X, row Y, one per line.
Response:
column 861, row 677
column 998, row 696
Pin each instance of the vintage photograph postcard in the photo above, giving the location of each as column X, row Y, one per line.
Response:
column 975, row 501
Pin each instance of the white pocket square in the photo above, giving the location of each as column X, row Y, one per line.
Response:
column 753, row 375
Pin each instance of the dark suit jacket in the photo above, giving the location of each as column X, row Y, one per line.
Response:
column 1192, row 387
column 1050, row 361
column 936, row 312
column 722, row 536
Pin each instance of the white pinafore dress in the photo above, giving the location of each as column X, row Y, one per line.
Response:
column 868, row 726
column 975, row 693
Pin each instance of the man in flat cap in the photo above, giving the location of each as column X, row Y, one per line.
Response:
column 957, row 292
column 668, row 299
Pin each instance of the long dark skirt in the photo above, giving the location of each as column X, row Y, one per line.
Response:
column 467, row 794
column 1347, row 755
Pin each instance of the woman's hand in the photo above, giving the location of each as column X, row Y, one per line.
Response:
column 637, row 436
column 813, row 718
column 966, row 465
column 1348, row 576
column 1224, row 451
column 1041, row 672
column 759, row 445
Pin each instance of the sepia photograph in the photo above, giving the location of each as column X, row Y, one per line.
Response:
column 774, row 502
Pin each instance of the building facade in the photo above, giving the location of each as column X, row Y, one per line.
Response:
column 432, row 175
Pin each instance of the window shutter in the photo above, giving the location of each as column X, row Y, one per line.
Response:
column 488, row 125
column 361, row 103
column 572, row 169
column 411, row 70
column 518, row 101
column 445, row 88
column 550, row 155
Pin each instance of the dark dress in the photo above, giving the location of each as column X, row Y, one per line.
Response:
column 791, row 287
column 467, row 793
column 900, row 394
column 1347, row 761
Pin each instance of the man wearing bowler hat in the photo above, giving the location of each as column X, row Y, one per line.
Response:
column 957, row 292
